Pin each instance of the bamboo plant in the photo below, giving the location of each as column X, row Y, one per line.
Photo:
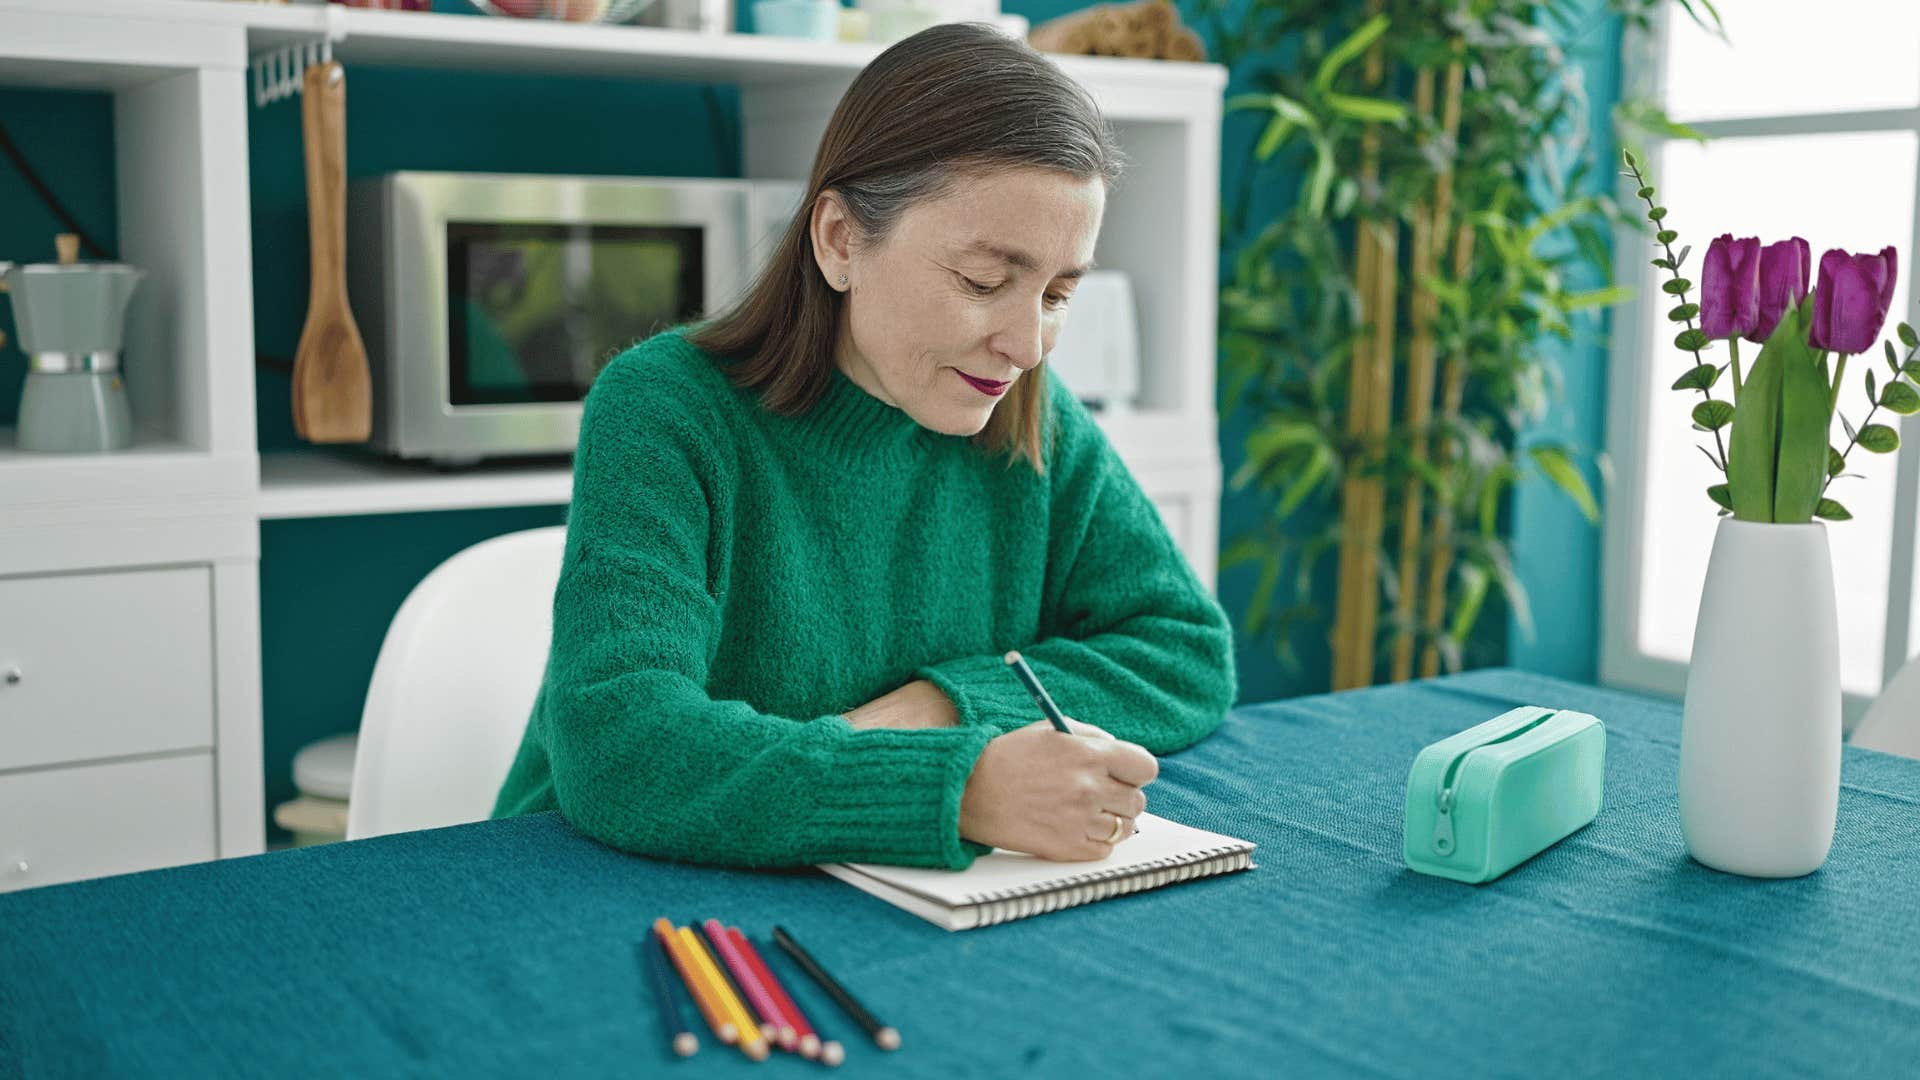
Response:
column 1391, row 389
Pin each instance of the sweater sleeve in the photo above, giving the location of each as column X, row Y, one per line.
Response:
column 642, row 758
column 1130, row 640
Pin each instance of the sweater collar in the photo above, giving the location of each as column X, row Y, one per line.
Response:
column 855, row 425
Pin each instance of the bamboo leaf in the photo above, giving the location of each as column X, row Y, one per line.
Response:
column 1343, row 54
column 1277, row 131
column 1370, row 109
column 1607, row 297
column 1559, row 467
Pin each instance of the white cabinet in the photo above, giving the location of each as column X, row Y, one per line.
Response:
column 66, row 824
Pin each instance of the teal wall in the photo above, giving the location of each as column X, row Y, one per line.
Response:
column 330, row 586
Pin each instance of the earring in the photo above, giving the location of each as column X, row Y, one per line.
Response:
column 843, row 281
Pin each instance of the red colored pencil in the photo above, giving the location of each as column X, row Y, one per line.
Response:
column 808, row 1039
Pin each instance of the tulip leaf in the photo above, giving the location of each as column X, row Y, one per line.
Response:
column 1901, row 398
column 1721, row 494
column 1753, row 447
column 1677, row 286
column 1831, row 510
column 1701, row 377
column 1836, row 463
column 1806, row 414
column 1713, row 415
column 1908, row 338
column 1683, row 312
column 1879, row 439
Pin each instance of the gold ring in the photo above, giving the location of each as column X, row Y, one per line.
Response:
column 1119, row 823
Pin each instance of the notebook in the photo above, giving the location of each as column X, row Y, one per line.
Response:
column 1005, row 885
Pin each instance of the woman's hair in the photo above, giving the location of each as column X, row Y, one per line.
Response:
column 948, row 103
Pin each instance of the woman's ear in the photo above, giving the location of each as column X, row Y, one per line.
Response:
column 832, row 233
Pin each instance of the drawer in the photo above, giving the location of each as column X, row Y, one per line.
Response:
column 105, row 665
column 91, row 820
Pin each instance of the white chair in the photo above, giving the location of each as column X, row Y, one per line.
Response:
column 455, row 680
column 1892, row 722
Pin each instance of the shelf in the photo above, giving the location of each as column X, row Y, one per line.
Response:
column 112, row 43
column 322, row 483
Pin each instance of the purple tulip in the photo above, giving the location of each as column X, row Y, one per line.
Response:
column 1730, row 287
column 1784, row 267
column 1850, row 304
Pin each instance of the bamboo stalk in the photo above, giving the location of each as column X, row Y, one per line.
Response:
column 1429, row 243
column 1381, row 306
column 1454, row 389
column 1352, row 656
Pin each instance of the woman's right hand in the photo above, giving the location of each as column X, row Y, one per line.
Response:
column 1056, row 795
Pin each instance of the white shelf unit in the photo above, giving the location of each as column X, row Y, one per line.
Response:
column 194, row 490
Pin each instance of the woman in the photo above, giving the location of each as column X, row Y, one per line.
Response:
column 804, row 534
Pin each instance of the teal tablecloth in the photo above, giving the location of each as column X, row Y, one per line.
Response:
column 506, row 948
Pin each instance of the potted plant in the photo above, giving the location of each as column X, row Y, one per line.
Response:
column 1760, row 734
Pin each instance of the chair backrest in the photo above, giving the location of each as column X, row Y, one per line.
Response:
column 1892, row 722
column 453, row 686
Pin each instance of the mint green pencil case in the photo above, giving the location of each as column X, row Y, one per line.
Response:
column 1488, row 799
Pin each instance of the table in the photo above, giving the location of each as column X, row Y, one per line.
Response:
column 505, row 948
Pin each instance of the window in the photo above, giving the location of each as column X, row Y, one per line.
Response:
column 1815, row 132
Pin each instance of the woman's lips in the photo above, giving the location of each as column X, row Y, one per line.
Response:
column 985, row 386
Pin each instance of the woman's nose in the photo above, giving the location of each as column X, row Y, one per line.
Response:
column 1021, row 343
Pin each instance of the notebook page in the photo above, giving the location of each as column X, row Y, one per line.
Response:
column 1004, row 871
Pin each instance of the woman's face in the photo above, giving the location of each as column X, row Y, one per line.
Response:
column 966, row 294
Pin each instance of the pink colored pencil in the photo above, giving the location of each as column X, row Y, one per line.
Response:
column 809, row 1039
column 750, row 984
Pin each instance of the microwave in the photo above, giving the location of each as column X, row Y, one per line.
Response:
column 489, row 302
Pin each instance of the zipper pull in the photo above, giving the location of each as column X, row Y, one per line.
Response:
column 1443, row 825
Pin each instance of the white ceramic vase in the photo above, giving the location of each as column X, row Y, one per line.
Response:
column 1760, row 737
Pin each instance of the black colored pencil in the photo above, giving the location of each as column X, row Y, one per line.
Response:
column 884, row 1037
column 684, row 1041
column 1039, row 693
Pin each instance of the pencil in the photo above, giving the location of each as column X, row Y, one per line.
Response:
column 722, row 1024
column 809, row 1042
column 751, row 1043
column 684, row 1042
column 773, row 1024
column 884, row 1037
column 1040, row 696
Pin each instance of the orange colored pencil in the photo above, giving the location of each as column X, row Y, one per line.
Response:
column 752, row 1043
column 718, row 1019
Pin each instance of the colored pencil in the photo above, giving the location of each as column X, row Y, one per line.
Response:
column 773, row 1025
column 808, row 1040
column 717, row 1017
column 655, row 961
column 884, row 1037
column 1039, row 693
column 752, row 1043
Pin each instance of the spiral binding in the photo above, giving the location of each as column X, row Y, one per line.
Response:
column 1005, row 905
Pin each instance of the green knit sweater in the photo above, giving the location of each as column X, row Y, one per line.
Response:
column 734, row 580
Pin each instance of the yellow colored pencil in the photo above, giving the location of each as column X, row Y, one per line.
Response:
column 752, row 1043
column 722, row 1023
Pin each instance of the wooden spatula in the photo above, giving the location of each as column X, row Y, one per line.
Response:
column 332, row 389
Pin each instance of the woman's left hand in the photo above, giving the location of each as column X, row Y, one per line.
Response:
column 918, row 704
